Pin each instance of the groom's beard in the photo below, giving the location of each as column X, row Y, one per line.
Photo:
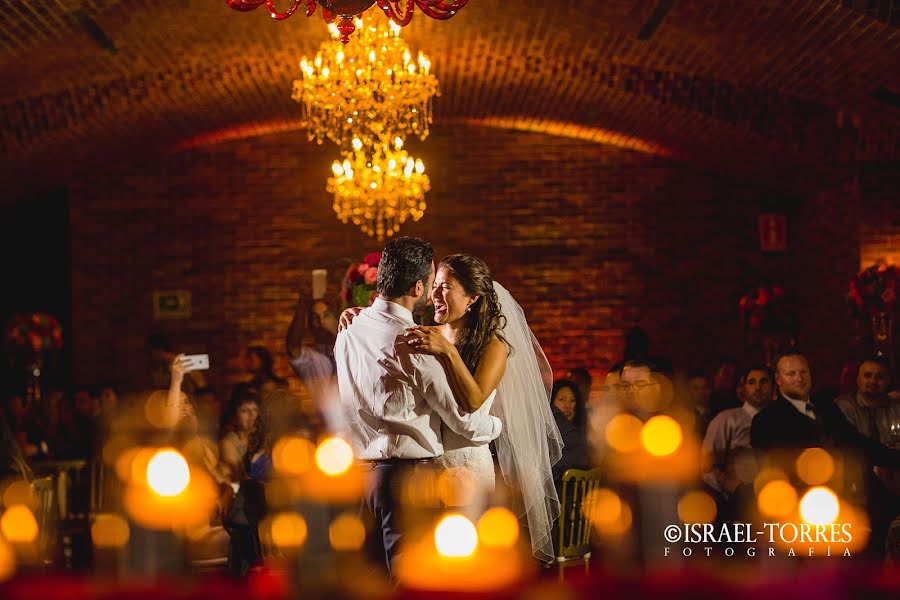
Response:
column 421, row 302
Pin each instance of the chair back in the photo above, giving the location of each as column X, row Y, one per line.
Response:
column 575, row 506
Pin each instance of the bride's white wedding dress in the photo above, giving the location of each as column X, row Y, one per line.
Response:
column 463, row 460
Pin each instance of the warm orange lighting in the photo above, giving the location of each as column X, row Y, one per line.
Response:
column 20, row 492
column 661, row 435
column 293, row 455
column 602, row 506
column 159, row 412
column 606, row 525
column 334, row 456
column 623, row 433
column 455, row 537
column 110, row 531
column 697, row 507
column 19, row 525
column 347, row 533
column 765, row 476
column 7, row 561
column 168, row 473
column 815, row 466
column 498, row 528
column 456, row 486
column 288, row 530
column 819, row 506
column 778, row 498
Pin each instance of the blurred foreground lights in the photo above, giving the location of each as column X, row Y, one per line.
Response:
column 819, row 506
column 455, row 537
column 347, row 533
column 661, row 435
column 498, row 528
column 20, row 492
column 293, row 455
column 334, row 456
column 697, row 507
column 288, row 530
column 610, row 516
column 815, row 466
column 168, row 473
column 19, row 525
column 623, row 433
column 778, row 498
column 110, row 531
column 7, row 561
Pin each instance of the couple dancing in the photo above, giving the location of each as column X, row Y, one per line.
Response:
column 441, row 394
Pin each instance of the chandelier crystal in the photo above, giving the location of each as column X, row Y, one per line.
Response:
column 398, row 11
column 373, row 90
column 379, row 188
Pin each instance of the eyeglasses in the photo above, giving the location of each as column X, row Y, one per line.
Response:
column 637, row 386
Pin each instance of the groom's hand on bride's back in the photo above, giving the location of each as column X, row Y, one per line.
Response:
column 347, row 317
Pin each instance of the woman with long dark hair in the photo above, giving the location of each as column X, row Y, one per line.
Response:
column 494, row 363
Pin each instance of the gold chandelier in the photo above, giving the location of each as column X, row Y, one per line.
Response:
column 378, row 188
column 371, row 90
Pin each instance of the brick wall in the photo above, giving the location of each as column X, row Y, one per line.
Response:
column 591, row 240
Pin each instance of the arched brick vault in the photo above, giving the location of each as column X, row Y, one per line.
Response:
column 745, row 86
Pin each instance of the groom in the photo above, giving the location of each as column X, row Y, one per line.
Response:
column 396, row 400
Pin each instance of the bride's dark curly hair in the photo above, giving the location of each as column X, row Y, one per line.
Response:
column 484, row 320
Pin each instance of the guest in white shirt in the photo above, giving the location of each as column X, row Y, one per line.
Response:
column 727, row 442
column 395, row 399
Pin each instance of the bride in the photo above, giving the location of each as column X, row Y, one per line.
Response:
column 494, row 363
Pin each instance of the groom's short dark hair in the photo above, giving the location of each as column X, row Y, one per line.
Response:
column 404, row 261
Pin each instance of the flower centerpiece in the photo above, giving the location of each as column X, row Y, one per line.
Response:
column 32, row 336
column 35, row 332
column 763, row 309
column 766, row 320
column 874, row 291
column 359, row 281
column 872, row 295
column 359, row 288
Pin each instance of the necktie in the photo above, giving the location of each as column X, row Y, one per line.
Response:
column 811, row 410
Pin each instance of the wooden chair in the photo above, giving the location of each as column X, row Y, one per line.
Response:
column 573, row 547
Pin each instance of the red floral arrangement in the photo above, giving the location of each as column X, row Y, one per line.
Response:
column 38, row 332
column 763, row 308
column 359, row 281
column 874, row 290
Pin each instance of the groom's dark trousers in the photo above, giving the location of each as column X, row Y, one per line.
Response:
column 383, row 496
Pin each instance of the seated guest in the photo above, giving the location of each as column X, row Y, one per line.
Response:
column 793, row 423
column 724, row 387
column 241, row 501
column 726, row 445
column 699, row 393
column 567, row 398
column 575, row 454
column 869, row 409
column 240, row 422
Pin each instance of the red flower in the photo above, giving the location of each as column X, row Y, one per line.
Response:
column 873, row 290
column 372, row 259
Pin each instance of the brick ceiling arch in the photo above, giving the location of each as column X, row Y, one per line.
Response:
column 770, row 82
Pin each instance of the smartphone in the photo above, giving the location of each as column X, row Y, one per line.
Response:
column 195, row 362
column 319, row 281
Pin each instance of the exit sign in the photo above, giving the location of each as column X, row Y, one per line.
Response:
column 772, row 232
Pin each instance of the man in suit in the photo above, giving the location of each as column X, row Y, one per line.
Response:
column 395, row 400
column 793, row 423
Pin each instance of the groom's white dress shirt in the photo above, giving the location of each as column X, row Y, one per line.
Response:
column 395, row 400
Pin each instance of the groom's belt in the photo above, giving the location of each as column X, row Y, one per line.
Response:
column 396, row 461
